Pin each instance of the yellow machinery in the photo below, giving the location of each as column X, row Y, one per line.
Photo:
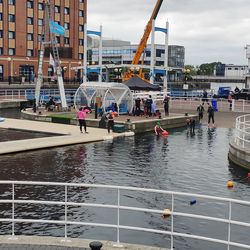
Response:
column 143, row 43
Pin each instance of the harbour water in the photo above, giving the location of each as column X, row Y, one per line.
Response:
column 181, row 162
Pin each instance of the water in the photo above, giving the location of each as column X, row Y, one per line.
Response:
column 196, row 164
column 181, row 162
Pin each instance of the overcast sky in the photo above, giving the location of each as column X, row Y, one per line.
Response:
column 210, row 30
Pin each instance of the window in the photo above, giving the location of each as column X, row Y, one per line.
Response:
column 1, row 51
column 66, row 11
column 58, row 39
column 1, row 16
column 30, row 4
column 11, row 18
column 81, row 42
column 1, row 1
column 81, row 27
column 11, row 2
column 12, row 35
column 66, row 40
column 12, row 52
column 40, row 22
column 81, row 13
column 229, row 68
column 66, row 26
column 80, row 56
column 40, row 6
column 1, row 33
column 30, row 52
column 57, row 9
column 236, row 69
column 30, row 37
column 81, row 1
column 30, row 20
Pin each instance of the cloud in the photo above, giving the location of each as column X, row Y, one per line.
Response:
column 210, row 30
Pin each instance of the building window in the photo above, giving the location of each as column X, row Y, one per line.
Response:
column 81, row 13
column 81, row 42
column 11, row 2
column 1, row 50
column 40, row 22
column 57, row 9
column 66, row 40
column 30, row 37
column 1, row 1
column 1, row 72
column 30, row 4
column 229, row 69
column 81, row 1
column 66, row 11
column 1, row 16
column 66, row 26
column 1, row 33
column 80, row 56
column 81, row 27
column 40, row 6
column 58, row 39
column 30, row 52
column 11, row 18
column 12, row 35
column 12, row 52
column 30, row 20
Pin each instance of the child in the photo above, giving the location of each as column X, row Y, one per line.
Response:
column 158, row 129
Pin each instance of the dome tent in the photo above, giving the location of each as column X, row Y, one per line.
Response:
column 105, row 94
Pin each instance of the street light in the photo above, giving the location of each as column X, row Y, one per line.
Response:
column 185, row 85
column 10, row 69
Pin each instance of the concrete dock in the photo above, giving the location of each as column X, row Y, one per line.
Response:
column 55, row 243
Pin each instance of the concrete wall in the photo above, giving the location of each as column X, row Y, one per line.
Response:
column 239, row 156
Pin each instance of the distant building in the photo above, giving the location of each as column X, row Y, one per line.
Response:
column 122, row 52
column 21, row 23
column 230, row 70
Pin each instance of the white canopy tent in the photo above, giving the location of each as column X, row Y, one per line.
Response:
column 105, row 94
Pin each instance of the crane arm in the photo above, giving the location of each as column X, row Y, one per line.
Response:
column 144, row 39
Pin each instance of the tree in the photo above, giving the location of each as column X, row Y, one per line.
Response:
column 207, row 68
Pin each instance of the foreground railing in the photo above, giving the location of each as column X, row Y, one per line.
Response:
column 12, row 188
column 242, row 131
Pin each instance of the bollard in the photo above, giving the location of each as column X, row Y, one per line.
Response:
column 95, row 245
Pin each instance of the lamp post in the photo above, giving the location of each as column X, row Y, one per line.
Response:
column 185, row 77
column 10, row 70
column 118, row 73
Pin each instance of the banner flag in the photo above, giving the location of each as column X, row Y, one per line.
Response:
column 56, row 28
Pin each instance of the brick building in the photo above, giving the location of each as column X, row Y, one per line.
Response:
column 21, row 24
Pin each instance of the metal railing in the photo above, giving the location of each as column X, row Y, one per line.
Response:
column 242, row 131
column 118, row 205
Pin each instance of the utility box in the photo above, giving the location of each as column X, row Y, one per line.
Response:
column 119, row 128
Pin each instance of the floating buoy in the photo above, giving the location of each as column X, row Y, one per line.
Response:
column 165, row 133
column 230, row 184
column 166, row 213
column 192, row 202
column 248, row 175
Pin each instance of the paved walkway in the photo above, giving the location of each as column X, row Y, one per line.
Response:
column 55, row 243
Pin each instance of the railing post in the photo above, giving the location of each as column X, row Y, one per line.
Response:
column 172, row 223
column 229, row 225
column 244, row 131
column 66, row 214
column 243, row 108
column 118, row 220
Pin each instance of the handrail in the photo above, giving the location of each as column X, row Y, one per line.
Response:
column 66, row 202
column 242, row 132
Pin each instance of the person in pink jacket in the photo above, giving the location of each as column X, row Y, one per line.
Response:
column 81, row 116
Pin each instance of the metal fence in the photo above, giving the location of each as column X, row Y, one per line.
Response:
column 242, row 131
column 66, row 202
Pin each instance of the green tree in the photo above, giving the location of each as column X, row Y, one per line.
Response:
column 207, row 68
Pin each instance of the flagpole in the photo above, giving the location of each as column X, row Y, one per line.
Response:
column 165, row 83
column 152, row 59
column 100, row 55
column 85, row 54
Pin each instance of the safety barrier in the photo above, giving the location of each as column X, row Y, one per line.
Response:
column 242, row 132
column 67, row 197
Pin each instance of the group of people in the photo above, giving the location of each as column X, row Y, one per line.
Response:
column 150, row 107
column 82, row 114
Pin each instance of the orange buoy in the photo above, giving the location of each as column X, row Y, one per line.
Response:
column 230, row 184
column 166, row 213
column 165, row 133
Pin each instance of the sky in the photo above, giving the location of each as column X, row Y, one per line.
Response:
column 210, row 30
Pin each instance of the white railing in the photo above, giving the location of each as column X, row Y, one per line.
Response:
column 242, row 131
column 66, row 192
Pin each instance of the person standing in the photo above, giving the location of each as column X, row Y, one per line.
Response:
column 81, row 116
column 200, row 110
column 149, row 102
column 230, row 100
column 210, row 112
column 110, row 118
column 204, row 97
column 137, row 106
column 166, row 105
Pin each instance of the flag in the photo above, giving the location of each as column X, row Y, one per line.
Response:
column 56, row 28
column 51, row 60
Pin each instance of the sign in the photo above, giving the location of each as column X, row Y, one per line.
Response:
column 185, row 86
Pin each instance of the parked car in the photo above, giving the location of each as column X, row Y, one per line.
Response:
column 242, row 94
